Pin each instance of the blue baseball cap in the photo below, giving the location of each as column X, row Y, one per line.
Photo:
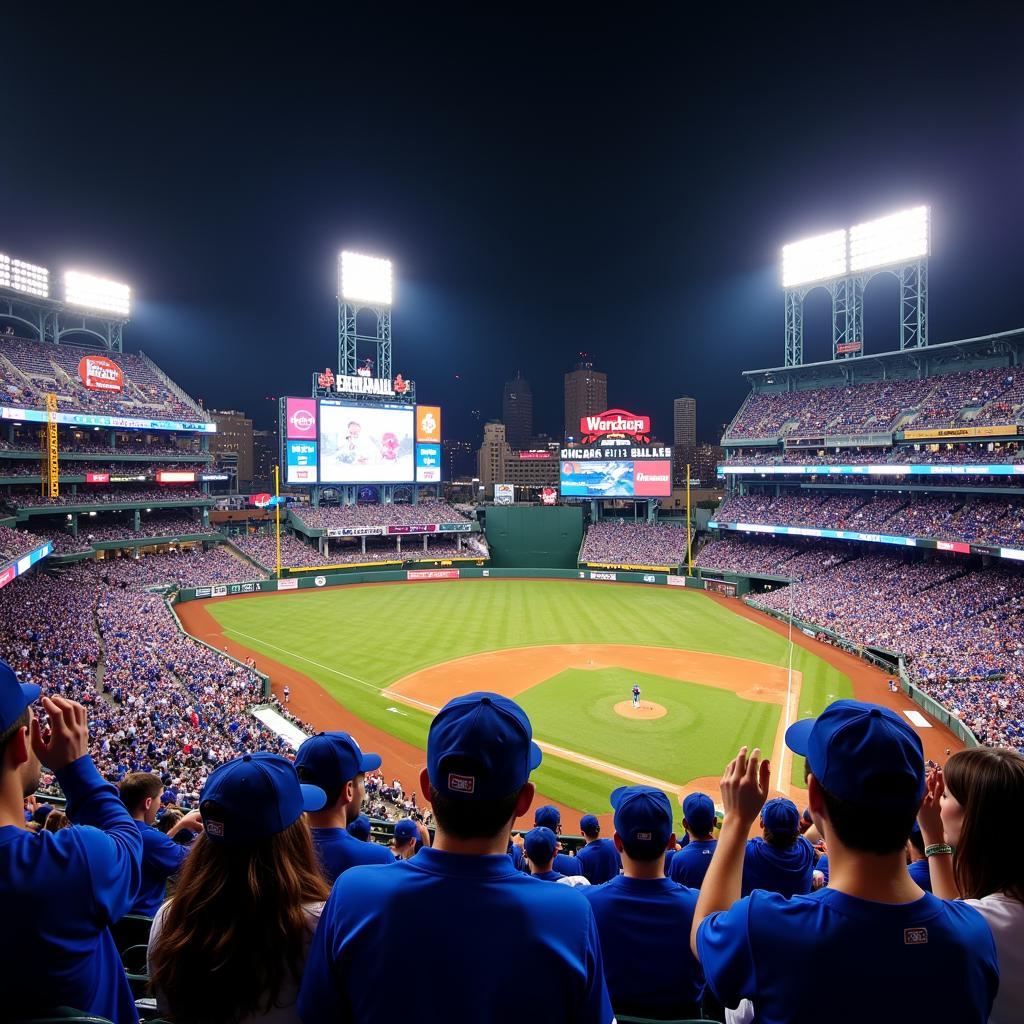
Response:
column 780, row 815
column 548, row 816
column 330, row 759
column 590, row 825
column 14, row 696
column 862, row 753
column 643, row 816
column 699, row 813
column 480, row 747
column 540, row 844
column 359, row 828
column 253, row 797
column 406, row 829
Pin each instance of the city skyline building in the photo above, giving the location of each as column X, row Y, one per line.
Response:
column 684, row 436
column 586, row 393
column 517, row 411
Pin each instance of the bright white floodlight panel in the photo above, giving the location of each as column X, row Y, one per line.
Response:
column 898, row 238
column 814, row 259
column 365, row 279
column 96, row 293
column 24, row 277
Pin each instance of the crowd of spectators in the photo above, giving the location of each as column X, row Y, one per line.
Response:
column 70, row 442
column 108, row 526
column 18, row 499
column 956, row 454
column 144, row 472
column 29, row 371
column 15, row 543
column 989, row 396
column 424, row 513
column 634, row 544
column 792, row 559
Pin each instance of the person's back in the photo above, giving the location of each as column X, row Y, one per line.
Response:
column 782, row 861
column 60, row 891
column 690, row 864
column 338, row 850
column 489, row 929
column 598, row 860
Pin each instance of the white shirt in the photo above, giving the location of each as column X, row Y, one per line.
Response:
column 1005, row 916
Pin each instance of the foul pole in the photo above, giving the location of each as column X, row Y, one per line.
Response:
column 689, row 527
column 277, row 515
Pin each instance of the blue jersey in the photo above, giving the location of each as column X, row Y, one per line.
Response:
column 489, row 926
column 650, row 972
column 822, row 866
column 921, row 873
column 338, row 851
column 858, row 959
column 690, row 864
column 599, row 861
column 547, row 876
column 516, row 853
column 567, row 865
column 786, row 871
column 161, row 858
column 60, row 891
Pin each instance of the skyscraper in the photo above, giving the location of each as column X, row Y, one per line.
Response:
column 684, row 436
column 586, row 393
column 517, row 411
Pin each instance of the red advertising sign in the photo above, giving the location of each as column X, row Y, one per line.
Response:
column 432, row 574
column 652, row 479
column 301, row 416
column 260, row 500
column 535, row 455
column 99, row 373
column 548, row 495
column 97, row 478
column 845, row 347
column 8, row 574
column 615, row 423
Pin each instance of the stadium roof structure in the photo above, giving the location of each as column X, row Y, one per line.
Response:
column 57, row 322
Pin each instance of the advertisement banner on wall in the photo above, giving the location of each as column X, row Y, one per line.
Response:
column 355, row 531
column 423, row 528
column 676, row 581
column 97, row 478
column 300, row 414
column 302, row 462
column 287, row 584
column 548, row 495
column 432, row 574
column 504, row 494
column 428, row 463
column 98, row 373
column 428, row 423
column 622, row 478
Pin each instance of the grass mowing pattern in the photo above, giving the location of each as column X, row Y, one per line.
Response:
column 356, row 640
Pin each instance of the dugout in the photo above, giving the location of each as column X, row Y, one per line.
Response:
column 534, row 536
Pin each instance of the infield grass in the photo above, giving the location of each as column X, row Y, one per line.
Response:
column 355, row 641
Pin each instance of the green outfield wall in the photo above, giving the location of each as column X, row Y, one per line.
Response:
column 534, row 536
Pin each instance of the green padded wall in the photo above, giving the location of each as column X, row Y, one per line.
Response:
column 531, row 536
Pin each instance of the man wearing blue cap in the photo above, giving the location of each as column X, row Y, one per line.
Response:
column 60, row 891
column 407, row 836
column 781, row 860
column 635, row 911
column 690, row 864
column 872, row 939
column 359, row 828
column 539, row 845
column 599, row 860
column 334, row 762
column 550, row 817
column 493, row 926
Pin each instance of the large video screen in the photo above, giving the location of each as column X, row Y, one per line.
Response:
column 363, row 444
column 622, row 478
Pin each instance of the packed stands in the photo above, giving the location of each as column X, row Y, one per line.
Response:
column 15, row 543
column 634, row 544
column 424, row 513
column 25, row 498
column 113, row 526
column 960, row 454
column 262, row 549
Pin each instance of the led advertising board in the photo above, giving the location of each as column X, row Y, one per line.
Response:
column 428, row 423
column 301, row 462
column 363, row 444
column 300, row 415
column 428, row 463
column 622, row 478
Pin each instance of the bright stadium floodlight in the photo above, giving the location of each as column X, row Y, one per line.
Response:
column 897, row 238
column 814, row 259
column 5, row 271
column 96, row 293
column 24, row 277
column 365, row 279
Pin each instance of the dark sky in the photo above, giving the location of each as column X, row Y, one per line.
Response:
column 544, row 185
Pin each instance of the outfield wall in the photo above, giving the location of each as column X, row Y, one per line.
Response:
column 534, row 536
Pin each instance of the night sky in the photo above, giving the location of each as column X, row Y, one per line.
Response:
column 544, row 185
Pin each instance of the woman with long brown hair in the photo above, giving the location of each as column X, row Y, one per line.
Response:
column 230, row 946
column 972, row 820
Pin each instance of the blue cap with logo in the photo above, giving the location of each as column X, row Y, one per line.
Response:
column 540, row 844
column 699, row 813
column 253, row 797
column 862, row 753
column 330, row 759
column 359, row 827
column 405, row 830
column 643, row 816
column 589, row 825
column 780, row 815
column 14, row 696
column 480, row 747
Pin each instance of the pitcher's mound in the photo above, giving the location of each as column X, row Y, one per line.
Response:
column 646, row 710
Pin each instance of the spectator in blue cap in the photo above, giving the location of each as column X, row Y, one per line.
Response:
column 407, row 838
column 599, row 860
column 540, row 844
column 247, row 901
column 780, row 860
column 359, row 828
column 491, row 926
column 646, row 976
column 872, row 934
column 550, row 817
column 60, row 891
column 334, row 762
column 690, row 864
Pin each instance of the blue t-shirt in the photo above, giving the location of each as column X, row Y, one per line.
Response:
column 822, row 866
column 60, row 891
column 490, row 927
column 921, row 873
column 161, row 858
column 599, row 861
column 857, row 960
column 786, row 871
column 690, row 864
column 547, row 876
column 567, row 865
column 648, row 965
column 338, row 851
column 669, row 854
column 516, row 853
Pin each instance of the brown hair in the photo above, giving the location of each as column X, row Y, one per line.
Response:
column 55, row 821
column 989, row 784
column 236, row 931
column 136, row 787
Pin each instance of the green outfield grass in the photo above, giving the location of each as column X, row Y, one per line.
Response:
column 355, row 641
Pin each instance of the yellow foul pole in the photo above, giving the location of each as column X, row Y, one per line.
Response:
column 689, row 526
column 277, row 515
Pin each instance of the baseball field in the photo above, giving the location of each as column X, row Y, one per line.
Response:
column 379, row 660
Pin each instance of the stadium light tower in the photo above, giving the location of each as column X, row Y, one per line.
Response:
column 96, row 293
column 364, row 282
